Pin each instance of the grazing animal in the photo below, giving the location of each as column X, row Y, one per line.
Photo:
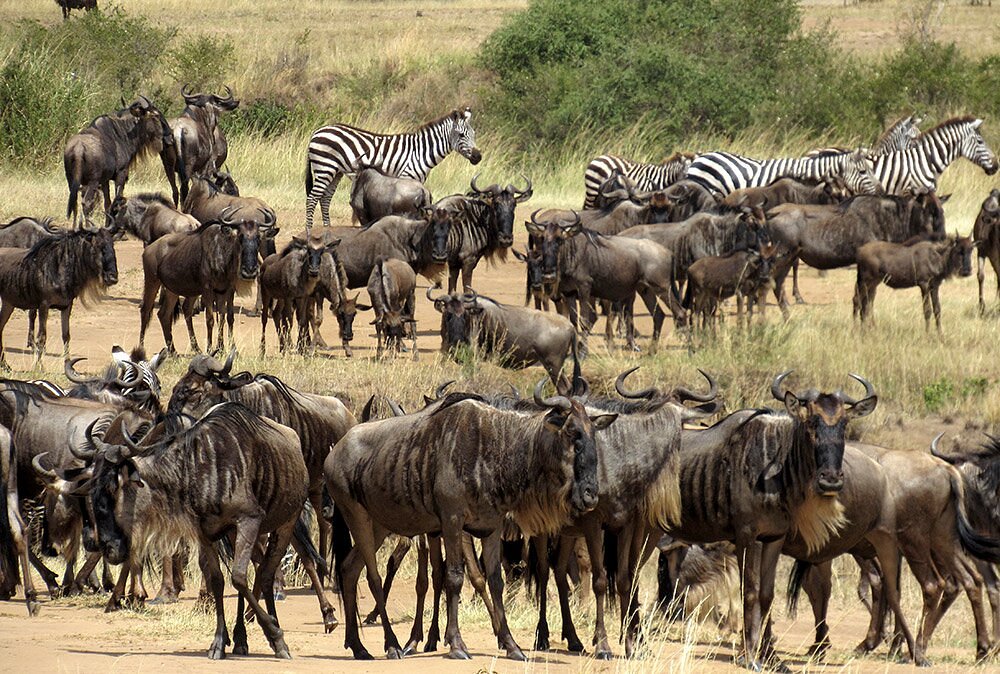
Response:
column 375, row 195
column 231, row 471
column 149, row 217
column 699, row 581
column 745, row 274
column 458, row 481
column 199, row 141
column 925, row 264
column 645, row 177
column 986, row 233
column 25, row 232
column 516, row 336
column 339, row 150
column 332, row 287
column 67, row 5
column 53, row 273
column 391, row 288
column 106, row 150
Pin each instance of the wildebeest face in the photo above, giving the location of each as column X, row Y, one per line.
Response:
column 961, row 255
column 455, row 321
column 346, row 313
column 109, row 497
column 248, row 232
column 577, row 431
column 463, row 136
column 103, row 241
column 976, row 150
column 438, row 230
column 502, row 204
column 533, row 261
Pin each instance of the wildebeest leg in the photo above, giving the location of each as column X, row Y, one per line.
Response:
column 229, row 301
column 150, row 288
column 887, row 552
column 49, row 577
column 208, row 560
column 748, row 555
column 795, row 283
column 326, row 608
column 960, row 570
column 454, row 557
column 64, row 316
column 478, row 581
column 594, row 537
column 165, row 314
column 247, row 529
column 43, row 319
column 417, row 631
column 18, row 532
column 315, row 321
column 541, row 545
column 258, row 303
column 770, row 552
column 453, row 271
column 468, row 266
column 992, row 583
column 564, row 549
column 391, row 567
column 981, row 278
column 118, row 593
column 936, row 302
column 167, row 594
column 925, row 298
column 32, row 315
column 85, row 572
column 188, row 311
column 6, row 309
column 210, row 302
column 494, row 574
column 437, row 580
column 818, row 586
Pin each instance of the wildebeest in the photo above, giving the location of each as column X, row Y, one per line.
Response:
column 535, row 286
column 516, row 336
column 199, row 142
column 757, row 476
column 53, row 274
column 375, row 195
column 106, row 150
column 924, row 264
column 287, row 282
column 828, row 237
column 745, row 274
column 688, row 198
column 67, row 5
column 213, row 262
column 782, row 191
column 986, row 233
column 391, row 289
column 320, row 421
column 460, row 481
column 150, row 216
column 698, row 581
column 645, row 177
column 332, row 287
column 25, row 232
column 13, row 531
column 232, row 473
column 207, row 202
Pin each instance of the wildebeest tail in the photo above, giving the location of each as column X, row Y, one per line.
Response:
column 976, row 544
column 342, row 546
column 795, row 578
column 8, row 551
column 74, row 168
column 688, row 294
column 611, row 564
column 302, row 537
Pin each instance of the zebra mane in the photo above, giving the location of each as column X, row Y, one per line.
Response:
column 679, row 156
column 954, row 121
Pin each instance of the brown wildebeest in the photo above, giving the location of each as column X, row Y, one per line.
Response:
column 535, row 286
column 67, row 5
column 986, row 233
column 232, row 470
column 320, row 421
column 757, row 476
column 287, row 282
column 699, row 581
column 461, row 482
column 332, row 287
column 782, row 191
column 107, row 149
column 745, row 274
column 375, row 195
column 149, row 217
column 688, row 198
column 53, row 274
column 207, row 202
column 25, row 232
column 199, row 141
column 212, row 262
column 828, row 237
column 516, row 336
column 925, row 264
column 391, row 288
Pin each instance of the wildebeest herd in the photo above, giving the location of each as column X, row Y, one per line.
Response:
column 235, row 465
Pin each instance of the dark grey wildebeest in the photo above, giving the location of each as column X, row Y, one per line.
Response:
column 67, row 5
column 391, row 289
column 986, row 233
column 375, row 194
column 745, row 274
column 459, row 477
column 106, row 150
column 782, row 191
column 149, row 217
column 25, row 232
column 231, row 474
column 53, row 274
column 199, row 142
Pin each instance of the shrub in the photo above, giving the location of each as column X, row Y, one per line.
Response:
column 203, row 62
column 937, row 394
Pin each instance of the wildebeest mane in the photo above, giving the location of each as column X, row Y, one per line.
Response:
column 64, row 260
column 154, row 197
column 457, row 397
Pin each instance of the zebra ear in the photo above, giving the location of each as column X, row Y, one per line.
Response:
column 976, row 124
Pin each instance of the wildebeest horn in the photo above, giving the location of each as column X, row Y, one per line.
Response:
column 526, row 189
column 94, row 445
column 268, row 217
column 869, row 389
column 433, row 299
column 229, row 362
column 514, row 392
column 644, row 394
column 146, row 103
column 439, row 391
column 184, row 92
column 75, row 376
column 576, row 220
column 776, row 385
column 557, row 401
column 475, row 188
column 934, row 445
column 397, row 411
column 36, row 463
column 129, row 383
column 133, row 448
column 534, row 221
column 229, row 94
column 224, row 215
column 683, row 393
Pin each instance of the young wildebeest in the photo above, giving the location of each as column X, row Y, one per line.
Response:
column 213, row 262
column 53, row 274
column 107, row 149
column 758, row 475
column 535, row 286
column 391, row 289
column 517, row 336
column 232, row 473
column 745, row 274
column 986, row 232
column 459, row 481
column 287, row 282
column 199, row 141
column 781, row 191
column 332, row 287
column 925, row 264
column 320, row 421
column 149, row 217
column 25, row 232
column 375, row 195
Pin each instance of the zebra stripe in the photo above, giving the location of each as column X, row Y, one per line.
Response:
column 647, row 177
column 918, row 168
column 339, row 150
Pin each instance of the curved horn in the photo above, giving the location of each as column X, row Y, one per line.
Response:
column 397, row 411
column 576, row 219
column 268, row 217
column 559, row 402
column 224, row 216
column 146, row 103
column 869, row 389
column 534, row 221
column 229, row 362
column 36, row 463
column 514, row 392
column 776, row 385
column 229, row 94
column 439, row 391
column 475, row 187
column 934, row 445
column 184, row 91
column 687, row 394
column 133, row 448
column 526, row 189
column 435, row 299
column 75, row 376
column 129, row 383
column 645, row 394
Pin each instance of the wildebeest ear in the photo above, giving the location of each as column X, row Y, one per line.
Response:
column 298, row 241
column 792, row 404
column 270, row 232
column 555, row 420
column 944, row 197
column 534, row 228
column 519, row 255
column 131, row 473
column 603, row 421
column 333, row 244
column 363, row 307
column 863, row 407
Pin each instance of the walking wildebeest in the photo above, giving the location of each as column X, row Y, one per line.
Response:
column 517, row 336
column 199, row 141
column 53, row 274
column 106, row 150
column 232, row 472
column 150, row 216
column 460, row 481
column 67, row 5
column 986, row 233
column 925, row 264
column 375, row 194
column 391, row 288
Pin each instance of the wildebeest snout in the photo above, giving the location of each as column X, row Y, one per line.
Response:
column 830, row 481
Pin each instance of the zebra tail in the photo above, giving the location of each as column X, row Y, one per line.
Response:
column 8, row 549
column 309, row 176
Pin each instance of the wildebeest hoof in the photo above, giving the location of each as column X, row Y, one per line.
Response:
column 362, row 654
column 34, row 607
column 371, row 618
column 574, row 646
column 541, row 644
column 458, row 654
column 241, row 649
column 112, row 606
column 394, row 653
column 279, row 595
column 603, row 655
column 164, row 599
column 410, row 648
column 217, row 651
column 430, row 647
column 330, row 622
column 516, row 654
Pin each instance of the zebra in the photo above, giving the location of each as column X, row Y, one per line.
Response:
column 917, row 169
column 338, row 150
column 900, row 135
column 724, row 172
column 482, row 225
column 647, row 177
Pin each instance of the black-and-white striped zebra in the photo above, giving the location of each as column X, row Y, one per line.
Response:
column 918, row 168
column 338, row 150
column 724, row 172
column 900, row 135
column 647, row 177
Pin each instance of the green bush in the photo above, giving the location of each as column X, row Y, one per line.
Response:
column 937, row 394
column 204, row 63
column 262, row 118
